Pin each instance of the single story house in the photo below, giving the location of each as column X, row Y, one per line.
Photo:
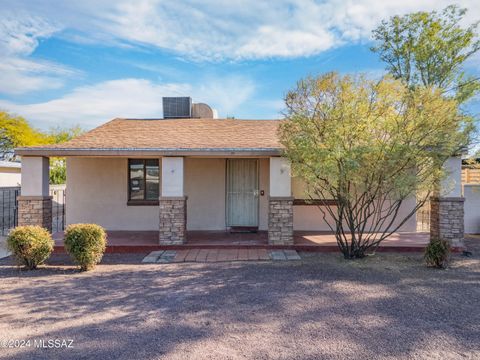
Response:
column 176, row 174
column 10, row 173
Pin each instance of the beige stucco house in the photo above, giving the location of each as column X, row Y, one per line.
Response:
column 173, row 175
column 10, row 173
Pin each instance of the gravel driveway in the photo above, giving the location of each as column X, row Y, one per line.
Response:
column 387, row 306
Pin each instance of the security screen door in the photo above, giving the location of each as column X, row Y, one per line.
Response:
column 242, row 192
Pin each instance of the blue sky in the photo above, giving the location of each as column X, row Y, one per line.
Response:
column 84, row 62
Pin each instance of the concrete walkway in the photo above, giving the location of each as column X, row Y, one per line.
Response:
column 3, row 247
column 219, row 255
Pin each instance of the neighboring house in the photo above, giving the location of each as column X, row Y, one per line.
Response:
column 10, row 173
column 177, row 174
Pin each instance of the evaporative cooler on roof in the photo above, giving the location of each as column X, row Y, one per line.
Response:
column 177, row 107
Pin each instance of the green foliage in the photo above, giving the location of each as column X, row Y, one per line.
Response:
column 58, row 166
column 370, row 146
column 58, row 171
column 86, row 244
column 429, row 49
column 59, row 135
column 31, row 245
column 15, row 131
column 472, row 162
column 437, row 253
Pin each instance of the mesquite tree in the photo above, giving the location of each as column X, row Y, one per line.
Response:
column 430, row 49
column 370, row 146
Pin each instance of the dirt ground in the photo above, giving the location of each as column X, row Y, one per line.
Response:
column 383, row 307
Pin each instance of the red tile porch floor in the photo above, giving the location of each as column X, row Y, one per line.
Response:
column 146, row 241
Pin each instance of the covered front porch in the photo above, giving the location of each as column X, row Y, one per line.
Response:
column 171, row 197
column 190, row 182
column 186, row 202
column 315, row 241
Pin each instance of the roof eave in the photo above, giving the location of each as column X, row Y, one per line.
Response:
column 10, row 165
column 62, row 152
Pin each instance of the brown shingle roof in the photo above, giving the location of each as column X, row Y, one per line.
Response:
column 172, row 135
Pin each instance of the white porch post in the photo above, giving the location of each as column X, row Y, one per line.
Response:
column 447, row 206
column 280, row 209
column 172, row 202
column 35, row 204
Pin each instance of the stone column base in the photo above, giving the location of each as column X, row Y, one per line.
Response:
column 35, row 210
column 280, row 221
column 447, row 220
column 173, row 220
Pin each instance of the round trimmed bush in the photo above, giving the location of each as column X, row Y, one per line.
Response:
column 437, row 253
column 86, row 244
column 30, row 245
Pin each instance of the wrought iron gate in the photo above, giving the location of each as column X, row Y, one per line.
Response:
column 9, row 208
column 423, row 218
column 58, row 194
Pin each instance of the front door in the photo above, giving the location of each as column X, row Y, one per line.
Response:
column 242, row 192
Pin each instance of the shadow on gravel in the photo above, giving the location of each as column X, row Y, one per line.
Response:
column 389, row 305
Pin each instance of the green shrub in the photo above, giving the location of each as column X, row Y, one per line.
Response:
column 86, row 244
column 437, row 253
column 30, row 245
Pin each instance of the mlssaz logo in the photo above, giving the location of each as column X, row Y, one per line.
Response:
column 53, row 343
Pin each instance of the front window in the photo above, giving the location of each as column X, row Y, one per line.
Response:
column 143, row 183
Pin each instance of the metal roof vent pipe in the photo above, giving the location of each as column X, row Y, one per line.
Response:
column 203, row 111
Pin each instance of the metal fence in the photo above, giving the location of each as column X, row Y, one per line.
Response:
column 58, row 194
column 423, row 218
column 9, row 208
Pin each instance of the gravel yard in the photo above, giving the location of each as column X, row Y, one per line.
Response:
column 386, row 306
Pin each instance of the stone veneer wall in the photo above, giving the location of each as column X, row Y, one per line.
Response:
column 35, row 210
column 280, row 221
column 447, row 220
column 173, row 220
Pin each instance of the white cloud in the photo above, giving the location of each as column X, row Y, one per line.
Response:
column 89, row 106
column 19, row 75
column 254, row 29
column 216, row 30
column 18, row 39
column 272, row 42
column 212, row 30
column 20, row 32
column 226, row 94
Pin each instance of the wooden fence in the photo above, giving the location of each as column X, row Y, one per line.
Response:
column 470, row 175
